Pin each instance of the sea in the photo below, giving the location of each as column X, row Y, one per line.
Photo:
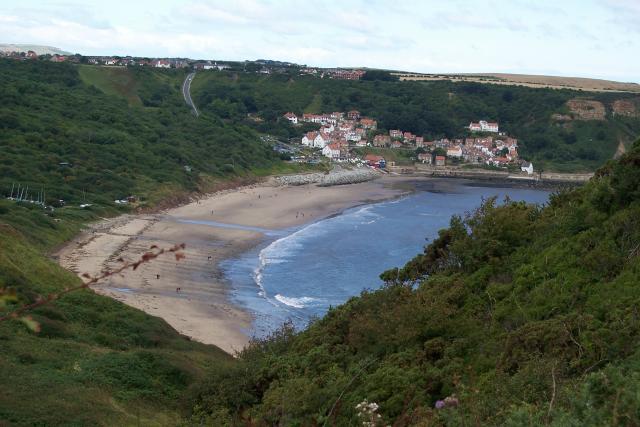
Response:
column 297, row 274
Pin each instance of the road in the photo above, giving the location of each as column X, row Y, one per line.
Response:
column 186, row 93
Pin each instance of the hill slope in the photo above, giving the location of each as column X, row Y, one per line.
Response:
column 515, row 315
column 560, row 130
column 38, row 49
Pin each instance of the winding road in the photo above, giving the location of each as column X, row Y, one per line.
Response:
column 186, row 93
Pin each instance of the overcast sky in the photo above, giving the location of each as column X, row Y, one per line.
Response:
column 587, row 38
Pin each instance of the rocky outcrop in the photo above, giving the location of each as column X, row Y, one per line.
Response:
column 333, row 178
column 585, row 109
column 625, row 107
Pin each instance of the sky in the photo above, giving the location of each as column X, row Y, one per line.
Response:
column 583, row 38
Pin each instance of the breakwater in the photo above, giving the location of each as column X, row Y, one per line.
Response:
column 340, row 177
column 492, row 175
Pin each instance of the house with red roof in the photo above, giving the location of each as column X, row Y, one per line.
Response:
column 375, row 161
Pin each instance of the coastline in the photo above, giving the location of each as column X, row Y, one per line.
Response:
column 214, row 228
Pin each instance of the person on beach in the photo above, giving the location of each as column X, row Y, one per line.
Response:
column 157, row 276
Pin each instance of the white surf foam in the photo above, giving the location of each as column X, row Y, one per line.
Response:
column 294, row 302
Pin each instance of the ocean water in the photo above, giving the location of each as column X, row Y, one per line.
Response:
column 297, row 274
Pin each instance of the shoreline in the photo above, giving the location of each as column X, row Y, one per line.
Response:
column 215, row 228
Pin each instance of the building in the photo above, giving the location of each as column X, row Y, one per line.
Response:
column 425, row 158
column 161, row 63
column 291, row 117
column 419, row 141
column 408, row 137
column 375, row 161
column 312, row 118
column 346, row 74
column 395, row 133
column 331, row 151
column 527, row 167
column 58, row 58
column 484, row 126
column 455, row 151
column 440, row 160
column 369, row 123
column 308, row 138
column 475, row 127
column 381, row 140
column 353, row 115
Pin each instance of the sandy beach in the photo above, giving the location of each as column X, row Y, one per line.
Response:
column 213, row 228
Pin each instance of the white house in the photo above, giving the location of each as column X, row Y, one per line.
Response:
column 308, row 138
column 331, row 151
column 489, row 126
column 527, row 167
column 483, row 126
column 319, row 141
column 291, row 117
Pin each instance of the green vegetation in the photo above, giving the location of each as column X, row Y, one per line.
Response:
column 95, row 134
column 519, row 314
column 95, row 361
column 73, row 139
column 433, row 109
column 527, row 315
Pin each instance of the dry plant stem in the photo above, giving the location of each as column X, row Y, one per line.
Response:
column 153, row 253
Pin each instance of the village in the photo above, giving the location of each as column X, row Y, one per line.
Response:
column 341, row 133
column 260, row 66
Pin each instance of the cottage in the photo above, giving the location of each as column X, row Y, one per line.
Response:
column 375, row 161
column 291, row 117
column 331, row 151
column 308, row 138
column 440, row 160
column 527, row 167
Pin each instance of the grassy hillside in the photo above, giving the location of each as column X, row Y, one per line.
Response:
column 95, row 360
column 94, row 134
column 112, row 81
column 515, row 315
column 433, row 109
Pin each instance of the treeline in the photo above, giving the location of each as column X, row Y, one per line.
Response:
column 433, row 109
column 515, row 315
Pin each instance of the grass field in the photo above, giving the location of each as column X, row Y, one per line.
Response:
column 117, row 81
column 535, row 81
